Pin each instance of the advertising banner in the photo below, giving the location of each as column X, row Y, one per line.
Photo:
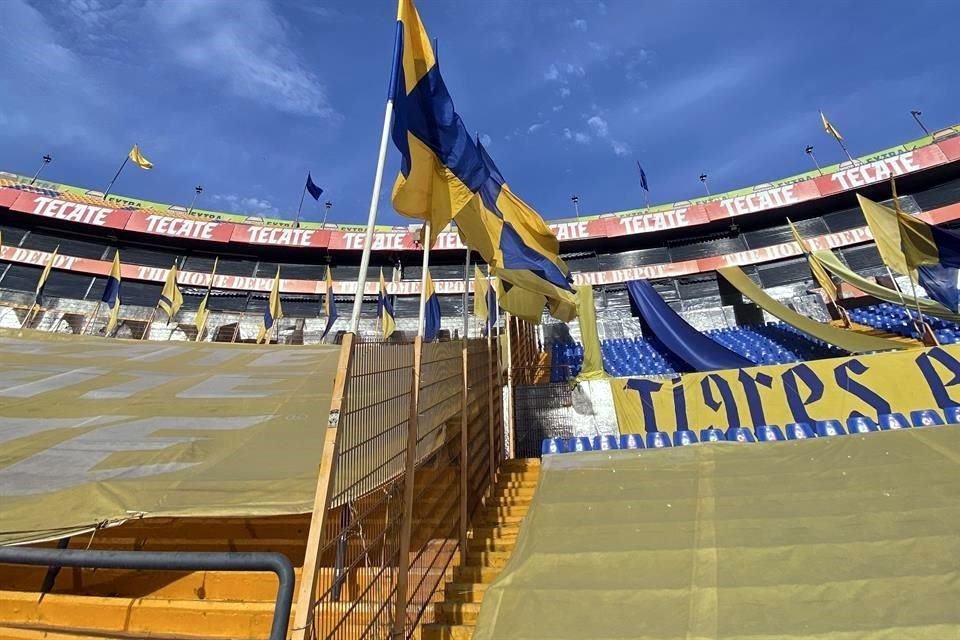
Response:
column 833, row 389
column 99, row 216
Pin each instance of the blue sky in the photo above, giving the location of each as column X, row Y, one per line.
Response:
column 243, row 96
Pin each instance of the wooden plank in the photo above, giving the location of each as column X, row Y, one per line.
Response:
column 321, row 500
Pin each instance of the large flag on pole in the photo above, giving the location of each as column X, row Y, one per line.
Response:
column 818, row 270
column 312, row 188
column 38, row 296
column 171, row 298
column 440, row 167
column 886, row 233
column 111, row 294
column 643, row 178
column 515, row 241
column 385, row 309
column 137, row 158
column 203, row 312
column 829, row 128
column 329, row 305
column 925, row 244
column 431, row 318
column 274, row 312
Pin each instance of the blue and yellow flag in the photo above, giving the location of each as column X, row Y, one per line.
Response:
column 431, row 317
column 385, row 310
column 171, row 298
column 137, row 158
column 329, row 305
column 111, row 294
column 38, row 296
column 441, row 168
column 515, row 241
column 273, row 312
column 493, row 307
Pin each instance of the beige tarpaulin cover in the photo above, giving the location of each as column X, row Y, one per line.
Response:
column 842, row 538
column 847, row 340
column 929, row 307
column 95, row 430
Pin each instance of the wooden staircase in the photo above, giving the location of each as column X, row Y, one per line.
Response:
column 493, row 537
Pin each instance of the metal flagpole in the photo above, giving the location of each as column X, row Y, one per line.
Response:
column 296, row 222
column 466, row 296
column 106, row 191
column 375, row 193
column 423, row 280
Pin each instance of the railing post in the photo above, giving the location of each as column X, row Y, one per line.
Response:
column 491, row 413
column 406, row 521
column 464, row 446
column 510, row 435
column 324, row 490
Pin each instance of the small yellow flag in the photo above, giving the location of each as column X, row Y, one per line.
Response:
column 137, row 158
column 829, row 128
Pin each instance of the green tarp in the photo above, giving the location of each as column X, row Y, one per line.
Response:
column 833, row 264
column 850, row 341
column 842, row 538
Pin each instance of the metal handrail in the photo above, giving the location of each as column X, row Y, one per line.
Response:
column 171, row 561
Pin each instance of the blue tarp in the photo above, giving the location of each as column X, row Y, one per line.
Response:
column 688, row 344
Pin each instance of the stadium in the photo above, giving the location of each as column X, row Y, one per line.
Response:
column 732, row 416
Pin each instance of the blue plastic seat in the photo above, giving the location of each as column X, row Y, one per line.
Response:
column 684, row 437
column 631, row 441
column 893, row 421
column 739, row 434
column 605, row 443
column 657, row 440
column 799, row 431
column 925, row 418
column 579, row 444
column 830, row 428
column 952, row 415
column 553, row 445
column 769, row 433
column 711, row 435
column 861, row 424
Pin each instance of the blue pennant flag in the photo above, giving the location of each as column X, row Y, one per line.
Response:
column 941, row 283
column 643, row 178
column 314, row 190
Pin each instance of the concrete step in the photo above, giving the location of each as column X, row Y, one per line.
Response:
column 493, row 519
column 497, row 511
column 466, row 591
column 475, row 574
column 447, row 632
column 458, row 613
column 496, row 559
column 495, row 532
column 493, row 544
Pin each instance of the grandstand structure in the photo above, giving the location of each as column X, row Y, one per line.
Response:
column 677, row 246
column 395, row 487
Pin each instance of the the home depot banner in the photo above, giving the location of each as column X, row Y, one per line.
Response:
column 95, row 430
column 803, row 392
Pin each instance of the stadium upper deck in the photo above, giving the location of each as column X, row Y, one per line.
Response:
column 682, row 242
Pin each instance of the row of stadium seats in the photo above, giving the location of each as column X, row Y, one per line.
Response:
column 762, row 433
column 774, row 343
column 894, row 318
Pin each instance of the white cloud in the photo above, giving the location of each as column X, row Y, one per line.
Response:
column 620, row 148
column 558, row 107
column 245, row 204
column 580, row 24
column 536, row 126
column 598, row 125
column 552, row 73
column 602, row 8
column 575, row 70
column 567, row 134
column 485, row 140
column 582, row 138
column 564, row 92
column 245, row 46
